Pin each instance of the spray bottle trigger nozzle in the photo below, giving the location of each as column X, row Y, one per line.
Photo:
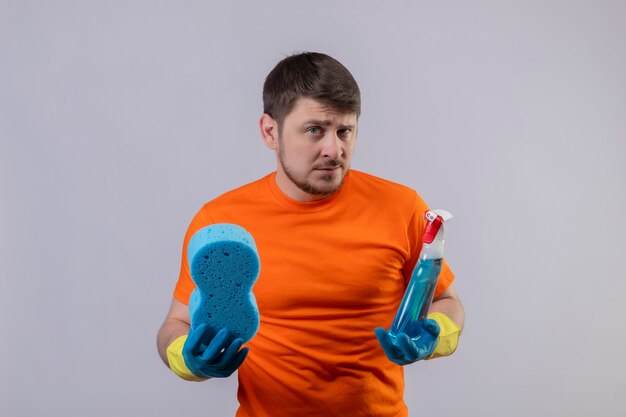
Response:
column 432, row 228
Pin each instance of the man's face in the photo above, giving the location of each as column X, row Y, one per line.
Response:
column 315, row 147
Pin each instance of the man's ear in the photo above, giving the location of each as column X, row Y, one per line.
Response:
column 269, row 131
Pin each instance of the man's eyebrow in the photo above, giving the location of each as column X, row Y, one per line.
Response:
column 326, row 123
column 317, row 122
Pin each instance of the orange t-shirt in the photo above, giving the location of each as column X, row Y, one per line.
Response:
column 331, row 271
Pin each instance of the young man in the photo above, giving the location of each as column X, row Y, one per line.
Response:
column 337, row 248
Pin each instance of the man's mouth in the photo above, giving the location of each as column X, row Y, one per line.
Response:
column 328, row 167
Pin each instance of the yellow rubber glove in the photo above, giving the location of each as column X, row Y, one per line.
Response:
column 177, row 361
column 204, row 354
column 449, row 334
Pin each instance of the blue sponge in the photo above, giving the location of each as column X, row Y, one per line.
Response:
column 224, row 265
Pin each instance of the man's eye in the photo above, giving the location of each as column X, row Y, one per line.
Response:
column 314, row 130
column 344, row 132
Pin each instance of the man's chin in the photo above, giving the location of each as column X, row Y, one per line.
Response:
column 326, row 186
column 319, row 184
column 325, row 192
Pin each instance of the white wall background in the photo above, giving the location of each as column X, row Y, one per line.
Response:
column 118, row 119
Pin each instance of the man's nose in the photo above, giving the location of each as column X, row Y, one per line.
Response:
column 331, row 146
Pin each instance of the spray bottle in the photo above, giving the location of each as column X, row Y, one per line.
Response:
column 419, row 293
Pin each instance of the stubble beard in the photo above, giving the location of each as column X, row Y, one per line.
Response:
column 307, row 186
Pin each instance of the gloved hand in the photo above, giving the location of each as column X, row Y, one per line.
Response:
column 406, row 351
column 203, row 354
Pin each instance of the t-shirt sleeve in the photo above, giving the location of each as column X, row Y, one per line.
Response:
column 185, row 285
column 414, row 236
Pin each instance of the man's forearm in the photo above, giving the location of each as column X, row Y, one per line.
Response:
column 450, row 307
column 447, row 311
column 169, row 331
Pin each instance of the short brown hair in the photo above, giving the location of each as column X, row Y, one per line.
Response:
column 311, row 75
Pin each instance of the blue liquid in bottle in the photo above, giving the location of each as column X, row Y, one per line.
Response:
column 416, row 301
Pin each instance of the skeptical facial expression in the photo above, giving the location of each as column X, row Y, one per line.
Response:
column 315, row 147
